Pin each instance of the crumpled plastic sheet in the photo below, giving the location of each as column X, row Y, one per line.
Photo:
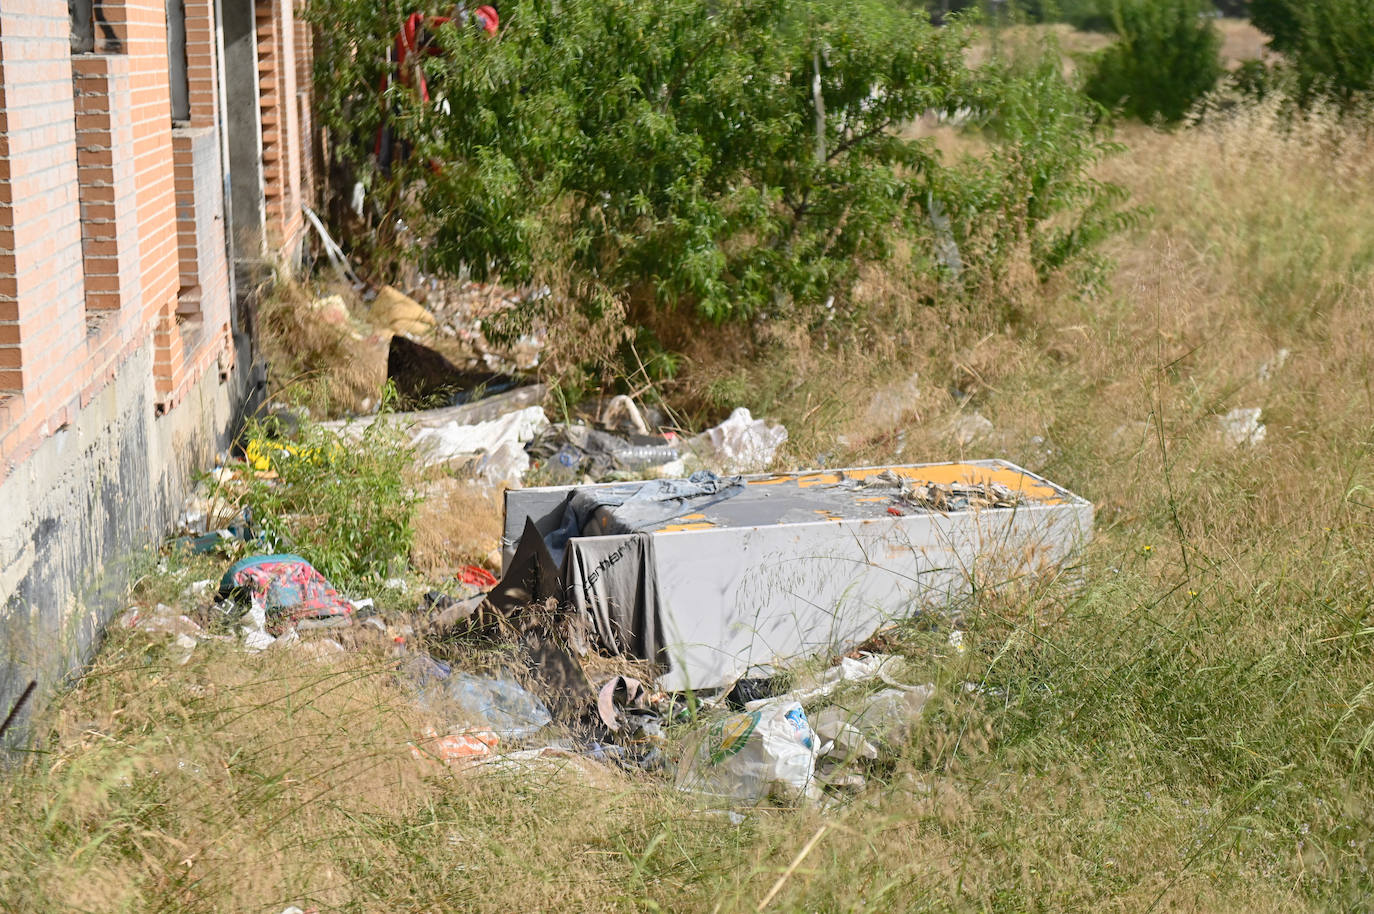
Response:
column 745, row 758
column 501, row 440
column 742, row 444
column 498, row 704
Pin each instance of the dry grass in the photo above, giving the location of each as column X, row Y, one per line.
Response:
column 1241, row 41
column 1191, row 730
column 457, row 523
column 333, row 367
column 1185, row 726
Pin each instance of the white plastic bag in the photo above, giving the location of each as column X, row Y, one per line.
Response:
column 850, row 669
column 882, row 718
column 747, row 757
column 742, row 443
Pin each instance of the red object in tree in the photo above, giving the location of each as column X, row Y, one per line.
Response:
column 416, row 37
column 487, row 18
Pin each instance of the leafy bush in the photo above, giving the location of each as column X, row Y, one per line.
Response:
column 731, row 160
column 1165, row 59
column 1329, row 43
column 1034, row 190
column 1081, row 14
column 346, row 508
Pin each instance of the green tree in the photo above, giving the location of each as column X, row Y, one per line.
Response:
column 1328, row 43
column 732, row 159
column 1165, row 58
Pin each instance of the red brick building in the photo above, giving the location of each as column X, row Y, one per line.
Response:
column 154, row 156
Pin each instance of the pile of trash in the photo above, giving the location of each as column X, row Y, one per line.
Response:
column 499, row 433
column 944, row 497
column 468, row 405
column 811, row 740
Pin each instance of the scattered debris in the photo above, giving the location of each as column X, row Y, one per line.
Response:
column 484, row 410
column 657, row 589
column 499, row 705
column 862, row 729
column 849, row 670
column 1269, row 369
column 285, row 591
column 337, row 258
column 621, row 414
column 161, row 619
column 332, row 309
column 463, row 310
column 463, row 748
column 199, row 590
column 1242, row 427
column 499, row 442
column 208, row 507
column 891, row 405
column 700, row 577
column 400, row 313
column 206, row 543
column 943, row 497
column 1038, row 452
column 883, row 718
column 946, row 497
column 425, row 377
column 746, row 758
column 570, row 453
column 476, row 577
column 165, row 620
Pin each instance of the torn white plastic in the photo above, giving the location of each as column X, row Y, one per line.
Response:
column 744, row 758
column 849, row 669
column 502, row 440
column 1242, row 427
column 742, row 444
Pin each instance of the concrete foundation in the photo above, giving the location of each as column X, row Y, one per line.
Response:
column 85, row 508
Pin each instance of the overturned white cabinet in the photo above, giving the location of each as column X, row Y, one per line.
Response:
column 774, row 567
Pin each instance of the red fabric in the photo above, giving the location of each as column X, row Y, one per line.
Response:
column 416, row 37
column 474, row 576
column 288, row 588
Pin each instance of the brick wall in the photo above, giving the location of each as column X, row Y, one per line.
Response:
column 112, row 223
column 42, row 295
column 305, row 111
column 116, row 352
column 281, row 139
column 105, row 168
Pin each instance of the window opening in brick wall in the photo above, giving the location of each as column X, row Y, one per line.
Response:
column 179, row 85
column 11, row 355
column 83, row 25
column 92, row 32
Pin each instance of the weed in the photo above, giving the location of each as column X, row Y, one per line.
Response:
column 346, row 508
column 1165, row 59
column 317, row 362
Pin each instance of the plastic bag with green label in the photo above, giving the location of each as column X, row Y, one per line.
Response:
column 770, row 751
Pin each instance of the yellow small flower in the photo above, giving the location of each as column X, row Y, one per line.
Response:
column 1147, row 549
column 1192, row 593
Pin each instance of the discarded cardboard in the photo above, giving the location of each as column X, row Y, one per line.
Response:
column 748, row 572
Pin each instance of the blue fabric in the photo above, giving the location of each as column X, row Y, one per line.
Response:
column 638, row 505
